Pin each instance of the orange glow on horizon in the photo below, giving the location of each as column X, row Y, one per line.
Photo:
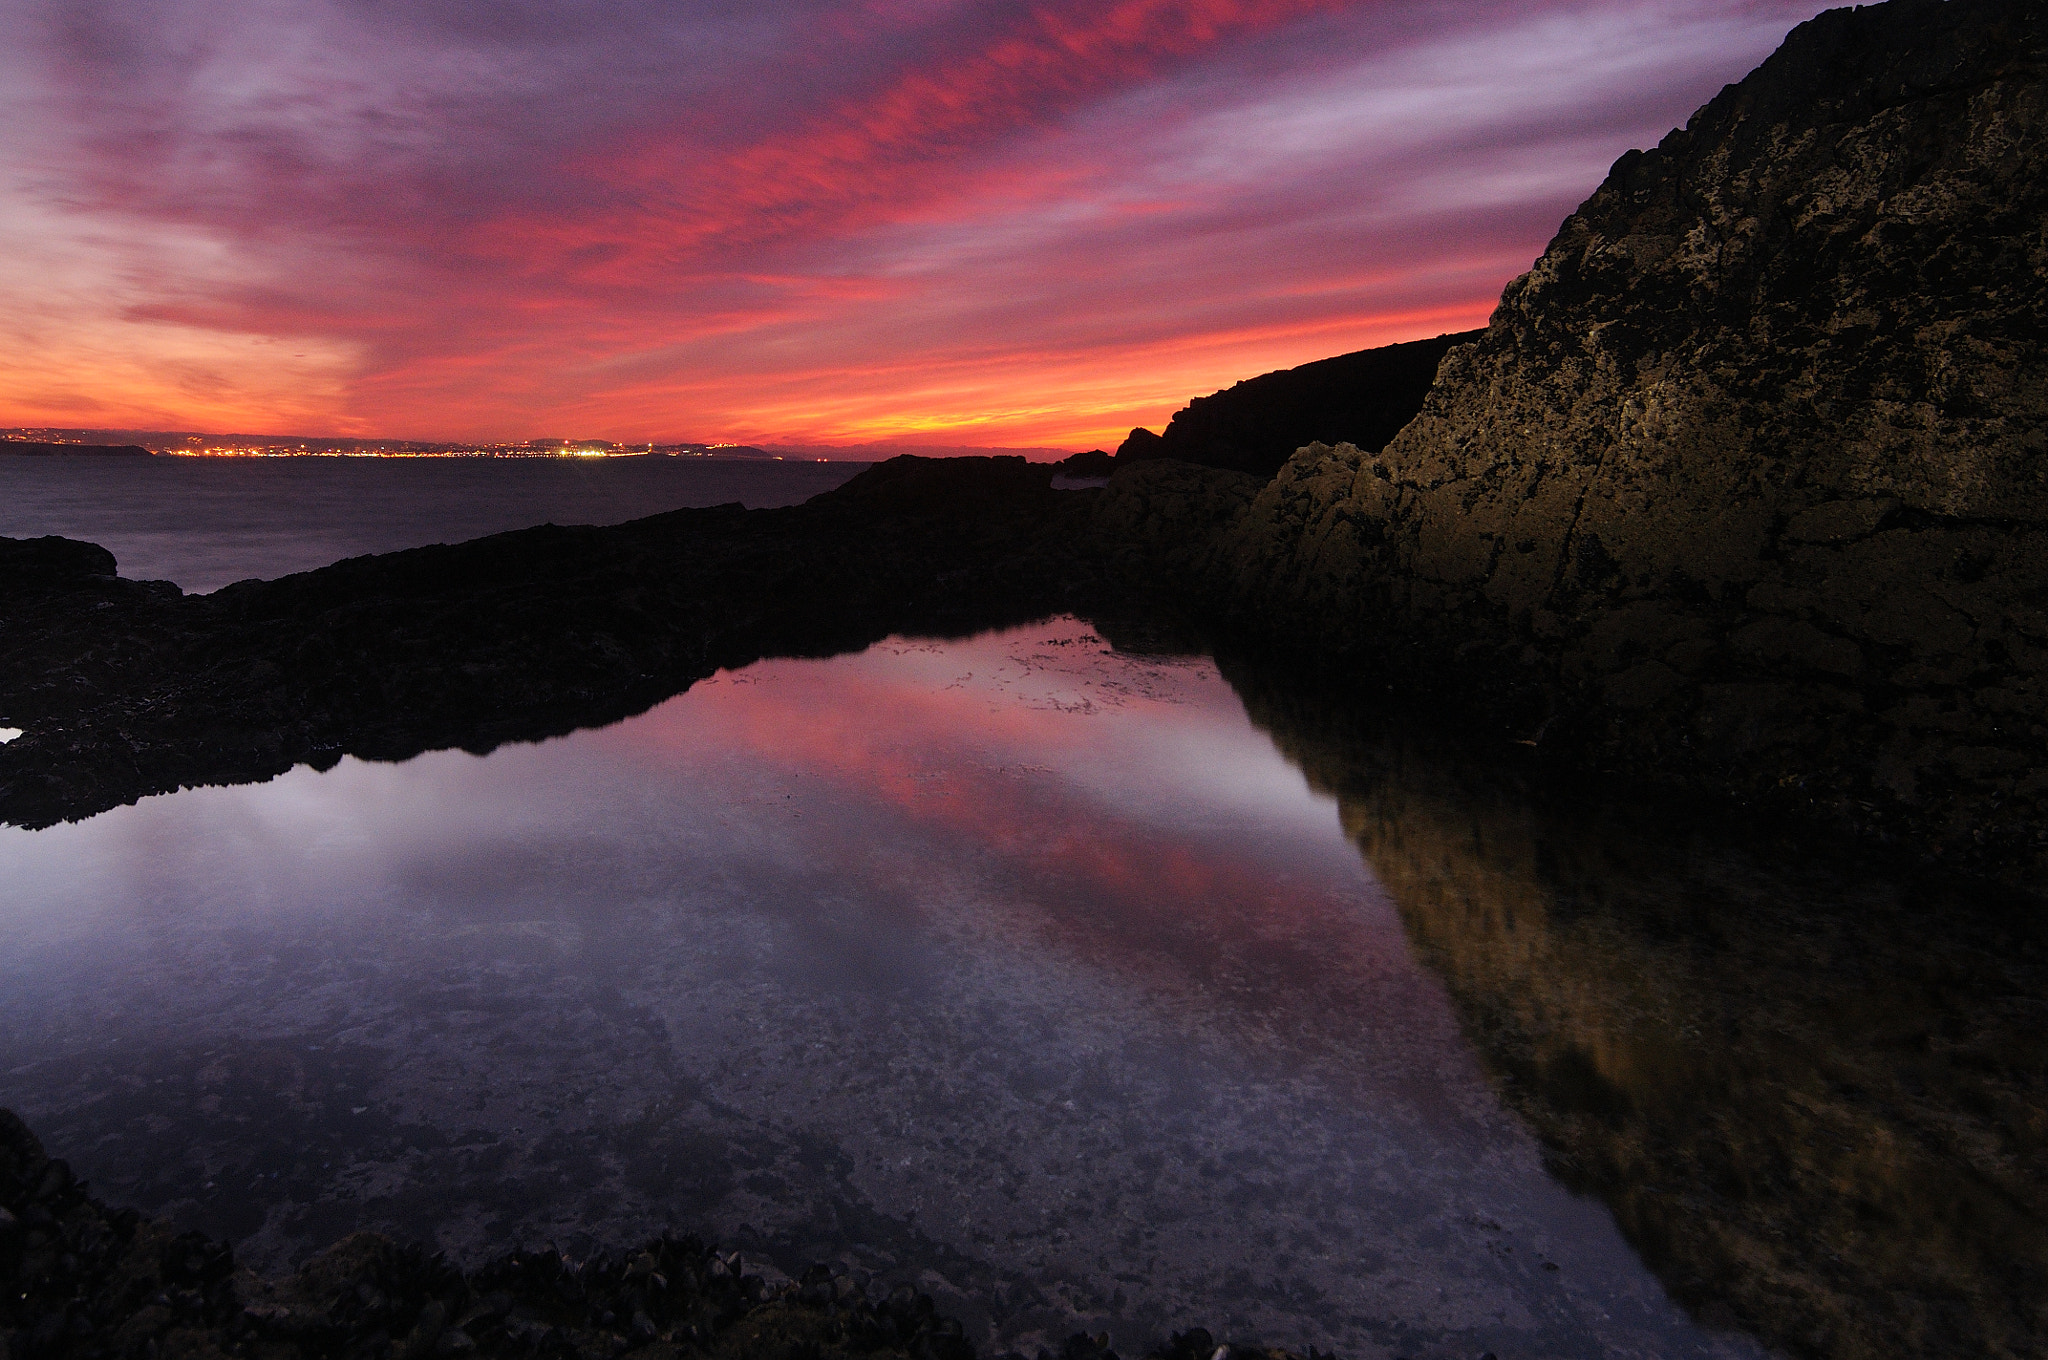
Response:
column 976, row 224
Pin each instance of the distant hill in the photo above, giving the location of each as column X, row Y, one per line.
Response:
column 1362, row 399
column 23, row 448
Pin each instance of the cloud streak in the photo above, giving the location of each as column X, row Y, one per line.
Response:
column 829, row 221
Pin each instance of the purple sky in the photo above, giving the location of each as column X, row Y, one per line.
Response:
column 944, row 220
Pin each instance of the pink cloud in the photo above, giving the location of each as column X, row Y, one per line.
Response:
column 968, row 221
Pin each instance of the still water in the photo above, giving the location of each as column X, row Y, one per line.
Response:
column 207, row 522
column 1022, row 969
column 1081, row 987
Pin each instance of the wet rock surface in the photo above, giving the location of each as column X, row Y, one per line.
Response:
column 1745, row 487
column 79, row 1279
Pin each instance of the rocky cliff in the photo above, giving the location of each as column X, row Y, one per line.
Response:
column 1746, row 483
column 1256, row 425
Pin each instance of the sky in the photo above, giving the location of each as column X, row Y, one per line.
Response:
column 821, row 222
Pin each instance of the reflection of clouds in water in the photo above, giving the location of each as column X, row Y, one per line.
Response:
column 1073, row 1004
column 1178, row 751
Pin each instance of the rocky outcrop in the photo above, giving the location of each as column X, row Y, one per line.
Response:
column 1746, row 484
column 1093, row 463
column 27, row 563
column 1255, row 426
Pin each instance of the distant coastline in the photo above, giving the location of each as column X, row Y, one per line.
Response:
column 181, row 444
column 202, row 444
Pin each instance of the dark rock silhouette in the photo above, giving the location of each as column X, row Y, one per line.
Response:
column 1140, row 444
column 1255, row 426
column 1746, row 484
column 51, row 562
column 1093, row 463
column 25, row 448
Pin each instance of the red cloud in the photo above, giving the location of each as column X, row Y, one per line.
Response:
column 820, row 221
column 876, row 156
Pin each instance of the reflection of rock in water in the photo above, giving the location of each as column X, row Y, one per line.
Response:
column 1813, row 1095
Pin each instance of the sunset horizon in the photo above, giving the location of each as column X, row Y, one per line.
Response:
column 971, row 226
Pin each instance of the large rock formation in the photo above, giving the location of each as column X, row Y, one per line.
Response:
column 1746, row 484
column 1255, row 426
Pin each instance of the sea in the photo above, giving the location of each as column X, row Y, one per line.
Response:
column 1083, row 982
column 206, row 522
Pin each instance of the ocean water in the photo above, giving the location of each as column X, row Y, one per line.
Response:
column 206, row 522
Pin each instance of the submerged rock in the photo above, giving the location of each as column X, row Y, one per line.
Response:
column 80, row 1280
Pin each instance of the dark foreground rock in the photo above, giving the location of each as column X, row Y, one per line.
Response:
column 80, row 1280
column 1745, row 487
column 1255, row 426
